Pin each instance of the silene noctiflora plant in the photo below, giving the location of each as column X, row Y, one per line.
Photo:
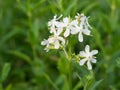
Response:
column 60, row 30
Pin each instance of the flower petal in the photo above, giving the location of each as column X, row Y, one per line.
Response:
column 46, row 49
column 44, row 42
column 56, row 44
column 86, row 31
column 82, row 61
column 74, row 23
column 87, row 48
column 93, row 60
column 52, row 29
column 93, row 52
column 67, row 33
column 89, row 65
column 59, row 24
column 51, row 39
column 80, row 37
column 82, row 54
column 66, row 20
column 59, row 31
column 61, row 39
column 74, row 30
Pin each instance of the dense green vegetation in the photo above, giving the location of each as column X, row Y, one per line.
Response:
column 24, row 65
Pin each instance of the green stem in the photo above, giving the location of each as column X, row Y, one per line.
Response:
column 51, row 82
column 34, row 52
column 29, row 14
column 70, row 66
column 70, row 75
column 68, row 55
column 65, row 52
column 1, row 87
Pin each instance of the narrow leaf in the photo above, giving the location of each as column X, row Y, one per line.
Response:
column 21, row 55
column 95, row 85
column 5, row 72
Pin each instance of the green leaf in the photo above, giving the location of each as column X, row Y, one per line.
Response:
column 51, row 82
column 90, row 7
column 63, row 65
column 8, row 36
column 59, row 80
column 35, row 29
column 78, row 85
column 89, row 80
column 98, row 40
column 34, row 32
column 118, row 61
column 66, row 84
column 21, row 55
column 70, row 7
column 82, row 69
column 5, row 72
column 9, row 87
column 1, row 88
column 38, row 67
column 95, row 85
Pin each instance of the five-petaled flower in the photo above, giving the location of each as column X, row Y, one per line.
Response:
column 88, row 56
column 55, row 40
column 54, row 23
column 82, row 27
column 69, row 26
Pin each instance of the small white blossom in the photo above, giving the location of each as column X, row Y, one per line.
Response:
column 88, row 57
column 56, row 40
column 45, row 43
column 68, row 26
column 54, row 23
column 82, row 27
column 53, row 42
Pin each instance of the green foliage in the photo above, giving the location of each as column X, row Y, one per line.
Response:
column 5, row 72
column 23, row 25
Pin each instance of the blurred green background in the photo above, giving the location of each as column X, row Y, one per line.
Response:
column 24, row 65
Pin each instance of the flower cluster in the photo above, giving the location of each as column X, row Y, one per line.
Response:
column 61, row 29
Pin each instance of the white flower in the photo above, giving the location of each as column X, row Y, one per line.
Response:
column 82, row 28
column 46, row 43
column 88, row 57
column 54, row 23
column 55, row 41
column 68, row 25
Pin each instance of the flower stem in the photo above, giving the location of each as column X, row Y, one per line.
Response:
column 70, row 66
column 70, row 76
column 68, row 56
column 65, row 52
